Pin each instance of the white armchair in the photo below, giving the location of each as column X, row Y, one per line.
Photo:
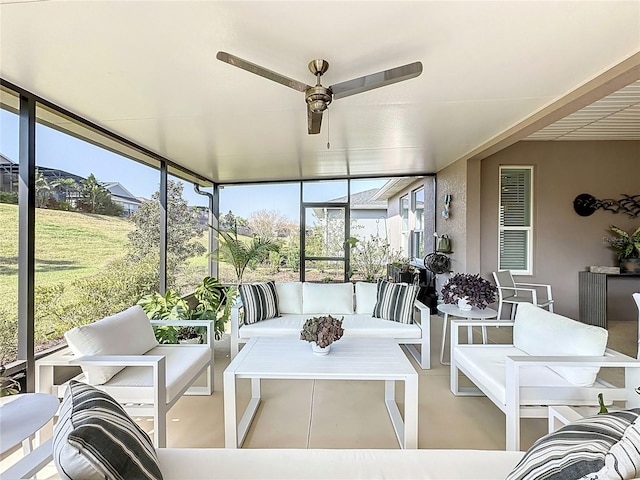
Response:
column 119, row 355
column 515, row 293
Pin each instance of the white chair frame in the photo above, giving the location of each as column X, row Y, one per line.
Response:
column 533, row 402
column 514, row 293
column 143, row 401
column 636, row 297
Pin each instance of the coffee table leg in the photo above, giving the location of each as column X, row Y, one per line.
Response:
column 250, row 411
column 230, row 422
column 444, row 337
column 411, row 412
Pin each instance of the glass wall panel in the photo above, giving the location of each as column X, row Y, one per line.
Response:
column 327, row 271
column 96, row 227
column 404, row 215
column 187, row 236
column 371, row 249
column 9, row 160
column 418, row 228
column 270, row 212
column 332, row 191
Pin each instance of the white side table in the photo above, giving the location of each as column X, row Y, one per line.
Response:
column 21, row 416
column 474, row 313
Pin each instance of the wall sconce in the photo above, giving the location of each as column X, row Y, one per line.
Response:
column 447, row 206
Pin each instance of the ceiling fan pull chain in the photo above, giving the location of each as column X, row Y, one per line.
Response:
column 328, row 130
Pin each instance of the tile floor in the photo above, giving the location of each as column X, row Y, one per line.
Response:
column 345, row 414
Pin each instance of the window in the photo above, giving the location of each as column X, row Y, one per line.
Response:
column 515, row 222
column 417, row 246
column 404, row 215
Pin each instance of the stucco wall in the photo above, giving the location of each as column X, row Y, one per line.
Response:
column 565, row 243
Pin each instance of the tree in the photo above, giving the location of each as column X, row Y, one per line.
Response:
column 94, row 198
column 240, row 253
column 43, row 190
column 182, row 228
column 268, row 224
column 65, row 186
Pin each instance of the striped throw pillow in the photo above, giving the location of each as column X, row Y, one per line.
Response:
column 601, row 446
column 395, row 301
column 95, row 438
column 259, row 300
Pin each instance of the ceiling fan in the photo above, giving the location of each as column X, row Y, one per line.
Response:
column 318, row 98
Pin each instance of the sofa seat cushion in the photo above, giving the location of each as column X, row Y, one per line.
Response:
column 487, row 364
column 182, row 364
column 125, row 333
column 541, row 333
column 354, row 326
column 316, row 464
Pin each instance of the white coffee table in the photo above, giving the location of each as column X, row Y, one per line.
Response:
column 349, row 359
column 452, row 309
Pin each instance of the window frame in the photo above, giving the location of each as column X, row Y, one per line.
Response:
column 405, row 234
column 521, row 228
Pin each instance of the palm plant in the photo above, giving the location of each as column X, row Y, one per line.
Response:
column 240, row 253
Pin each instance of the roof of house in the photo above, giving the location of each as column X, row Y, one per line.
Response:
column 364, row 200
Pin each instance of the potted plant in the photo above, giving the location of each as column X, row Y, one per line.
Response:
column 321, row 332
column 240, row 253
column 211, row 305
column 8, row 385
column 469, row 291
column 628, row 247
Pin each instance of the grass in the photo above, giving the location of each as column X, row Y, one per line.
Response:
column 68, row 245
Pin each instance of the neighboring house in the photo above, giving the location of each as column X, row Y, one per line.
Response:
column 8, row 175
column 122, row 196
column 368, row 213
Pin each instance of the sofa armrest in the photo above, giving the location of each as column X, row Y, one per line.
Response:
column 119, row 360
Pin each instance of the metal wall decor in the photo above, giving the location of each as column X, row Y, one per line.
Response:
column 586, row 204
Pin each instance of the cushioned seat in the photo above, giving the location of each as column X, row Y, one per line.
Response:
column 354, row 325
column 182, row 365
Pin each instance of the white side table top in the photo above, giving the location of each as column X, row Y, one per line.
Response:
column 23, row 415
column 452, row 309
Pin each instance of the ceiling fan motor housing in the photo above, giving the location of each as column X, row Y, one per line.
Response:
column 318, row 98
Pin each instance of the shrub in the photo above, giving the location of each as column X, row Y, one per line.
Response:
column 9, row 197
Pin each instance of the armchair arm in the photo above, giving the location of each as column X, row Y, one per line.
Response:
column 118, row 360
column 537, row 285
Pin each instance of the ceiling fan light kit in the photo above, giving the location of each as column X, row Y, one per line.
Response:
column 318, row 97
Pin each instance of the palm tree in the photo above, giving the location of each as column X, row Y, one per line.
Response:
column 239, row 253
column 43, row 189
column 65, row 186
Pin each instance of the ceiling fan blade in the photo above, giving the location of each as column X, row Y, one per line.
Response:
column 263, row 72
column 376, row 80
column 314, row 120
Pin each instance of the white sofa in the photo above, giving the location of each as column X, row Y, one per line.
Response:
column 553, row 360
column 295, row 464
column 120, row 355
column 298, row 301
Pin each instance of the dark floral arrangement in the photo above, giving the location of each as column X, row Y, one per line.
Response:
column 479, row 292
column 322, row 330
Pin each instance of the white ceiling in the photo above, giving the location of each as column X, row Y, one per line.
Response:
column 494, row 72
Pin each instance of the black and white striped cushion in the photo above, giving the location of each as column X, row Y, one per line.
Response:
column 601, row 446
column 395, row 301
column 259, row 300
column 95, row 438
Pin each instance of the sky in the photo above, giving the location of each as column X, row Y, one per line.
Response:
column 58, row 150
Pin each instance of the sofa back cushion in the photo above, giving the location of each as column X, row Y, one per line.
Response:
column 125, row 333
column 366, row 296
column 539, row 332
column 289, row 297
column 327, row 298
